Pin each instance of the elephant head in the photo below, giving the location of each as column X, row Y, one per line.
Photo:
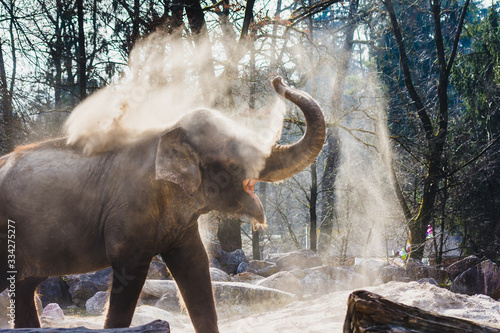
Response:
column 210, row 160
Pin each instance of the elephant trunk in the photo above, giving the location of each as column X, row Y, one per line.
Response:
column 288, row 160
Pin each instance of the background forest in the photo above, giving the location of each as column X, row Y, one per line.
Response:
column 410, row 91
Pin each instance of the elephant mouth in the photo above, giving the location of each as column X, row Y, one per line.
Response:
column 258, row 216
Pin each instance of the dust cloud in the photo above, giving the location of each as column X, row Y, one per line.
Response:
column 166, row 79
column 370, row 222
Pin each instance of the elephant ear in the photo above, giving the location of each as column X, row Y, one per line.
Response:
column 177, row 162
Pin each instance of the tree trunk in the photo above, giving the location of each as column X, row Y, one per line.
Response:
column 369, row 312
column 82, row 58
column 229, row 233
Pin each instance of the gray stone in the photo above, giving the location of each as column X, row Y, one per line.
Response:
column 285, row 281
column 97, row 304
column 263, row 267
column 244, row 267
column 84, row 286
column 461, row 266
column 231, row 260
column 219, row 275
column 484, row 278
column 157, row 288
column 246, row 277
column 52, row 314
column 370, row 268
column 298, row 260
column 233, row 298
column 392, row 273
column 54, row 290
column 214, row 250
column 317, row 282
column 169, row 302
column 428, row 280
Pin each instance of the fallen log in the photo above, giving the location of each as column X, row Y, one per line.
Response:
column 369, row 312
column 157, row 326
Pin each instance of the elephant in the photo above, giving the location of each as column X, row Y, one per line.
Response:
column 65, row 212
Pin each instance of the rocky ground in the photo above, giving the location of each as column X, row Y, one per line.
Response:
column 325, row 313
column 288, row 292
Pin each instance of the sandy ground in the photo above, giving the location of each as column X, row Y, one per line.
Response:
column 327, row 313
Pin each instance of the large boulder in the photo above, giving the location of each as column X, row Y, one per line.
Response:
column 84, row 286
column 246, row 277
column 393, row 273
column 484, row 278
column 369, row 267
column 97, row 304
column 233, row 298
column 146, row 314
column 461, row 266
column 263, row 267
column 52, row 315
column 219, row 275
column 417, row 270
column 230, row 261
column 285, row 281
column 298, row 260
column 54, row 290
column 230, row 297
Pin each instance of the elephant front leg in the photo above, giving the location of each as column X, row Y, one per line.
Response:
column 125, row 291
column 188, row 264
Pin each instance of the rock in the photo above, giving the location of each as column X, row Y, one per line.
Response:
column 461, row 266
column 146, row 314
column 298, row 260
column 317, row 282
column 484, row 278
column 231, row 260
column 214, row 250
column 369, row 267
column 284, row 281
column 347, row 278
column 233, row 298
column 97, row 304
column 429, row 280
column 169, row 302
column 246, row 277
column 263, row 267
column 51, row 315
column 157, row 288
column 54, row 290
column 82, row 291
column 244, row 267
column 84, row 286
column 417, row 270
column 230, row 297
column 219, row 275
column 158, row 270
column 392, row 273
column 214, row 263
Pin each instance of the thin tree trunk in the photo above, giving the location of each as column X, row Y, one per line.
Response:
column 435, row 142
column 82, row 59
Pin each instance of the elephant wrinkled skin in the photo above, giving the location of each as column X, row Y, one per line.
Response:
column 74, row 213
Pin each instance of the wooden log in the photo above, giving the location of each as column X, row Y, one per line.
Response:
column 157, row 326
column 369, row 312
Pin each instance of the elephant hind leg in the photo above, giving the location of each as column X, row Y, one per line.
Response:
column 25, row 308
